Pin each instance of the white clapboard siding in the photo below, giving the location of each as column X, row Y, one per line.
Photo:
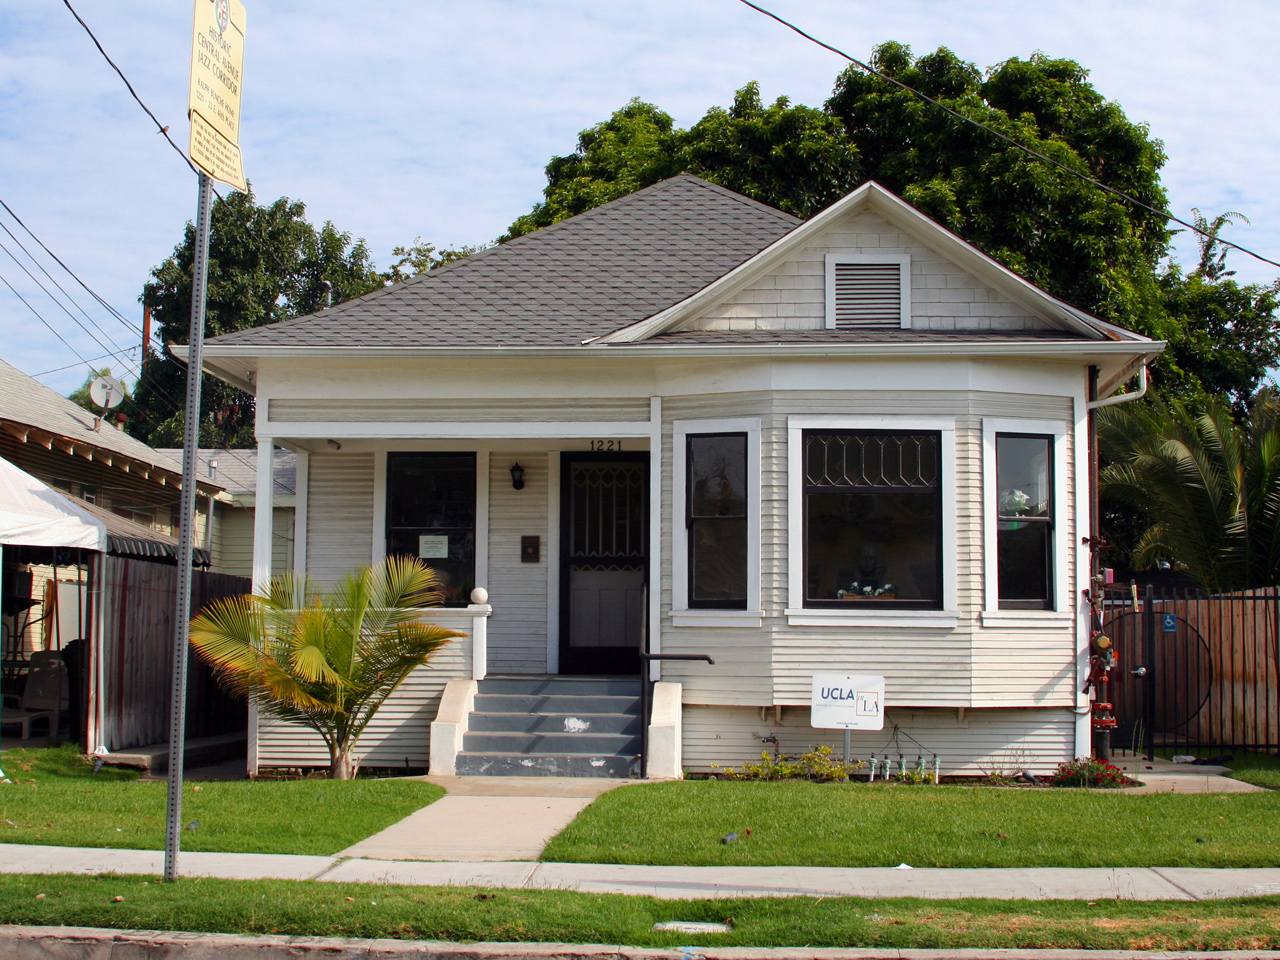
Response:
column 603, row 409
column 792, row 296
column 773, row 664
column 339, row 514
column 402, row 728
column 985, row 742
column 518, row 591
column 743, row 669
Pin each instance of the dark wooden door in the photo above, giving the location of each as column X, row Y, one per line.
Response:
column 604, row 505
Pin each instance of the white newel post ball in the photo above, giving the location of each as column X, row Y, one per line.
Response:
column 479, row 595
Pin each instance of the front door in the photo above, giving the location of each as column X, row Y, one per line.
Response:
column 604, row 505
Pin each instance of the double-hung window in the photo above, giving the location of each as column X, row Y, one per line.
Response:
column 716, row 520
column 873, row 516
column 1024, row 521
column 431, row 515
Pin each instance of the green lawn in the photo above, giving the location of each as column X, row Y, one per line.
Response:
column 865, row 825
column 56, row 798
column 435, row 913
column 1258, row 768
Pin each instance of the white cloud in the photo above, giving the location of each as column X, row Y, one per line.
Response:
column 401, row 119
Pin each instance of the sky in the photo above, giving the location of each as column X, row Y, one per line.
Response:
column 397, row 119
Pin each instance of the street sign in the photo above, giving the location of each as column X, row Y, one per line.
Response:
column 843, row 701
column 1170, row 622
column 213, row 103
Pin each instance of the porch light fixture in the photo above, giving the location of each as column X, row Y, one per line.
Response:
column 517, row 477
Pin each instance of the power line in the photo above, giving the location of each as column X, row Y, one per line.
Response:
column 49, row 293
column 60, row 305
column 105, row 356
column 133, row 328
column 160, row 128
column 45, row 322
column 1007, row 139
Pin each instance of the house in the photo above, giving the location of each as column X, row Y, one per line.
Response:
column 689, row 424
column 229, row 538
column 131, row 488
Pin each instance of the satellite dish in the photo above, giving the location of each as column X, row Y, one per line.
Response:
column 106, row 392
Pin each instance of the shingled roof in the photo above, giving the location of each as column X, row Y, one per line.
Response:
column 585, row 277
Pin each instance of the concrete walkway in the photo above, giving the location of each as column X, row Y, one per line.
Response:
column 673, row 883
column 1164, row 776
column 486, row 818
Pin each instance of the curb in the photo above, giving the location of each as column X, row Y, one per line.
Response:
column 92, row 943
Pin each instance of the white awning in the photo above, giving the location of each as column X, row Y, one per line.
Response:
column 33, row 514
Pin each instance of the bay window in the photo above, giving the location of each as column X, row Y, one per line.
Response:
column 1024, row 521
column 873, row 517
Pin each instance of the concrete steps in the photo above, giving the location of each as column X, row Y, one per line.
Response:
column 553, row 726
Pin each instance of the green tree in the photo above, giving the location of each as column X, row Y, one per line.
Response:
column 266, row 263
column 794, row 158
column 1078, row 241
column 421, row 257
column 1207, row 486
column 1081, row 242
column 327, row 661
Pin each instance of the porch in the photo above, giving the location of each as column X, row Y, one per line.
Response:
column 542, row 547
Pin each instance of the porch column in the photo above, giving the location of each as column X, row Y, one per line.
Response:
column 263, row 511
column 654, row 612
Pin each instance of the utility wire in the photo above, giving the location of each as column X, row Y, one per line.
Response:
column 40, row 267
column 160, row 128
column 105, row 356
column 61, row 306
column 1007, row 139
column 132, row 327
column 45, row 322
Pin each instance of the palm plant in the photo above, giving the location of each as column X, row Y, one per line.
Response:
column 1209, row 486
column 326, row 660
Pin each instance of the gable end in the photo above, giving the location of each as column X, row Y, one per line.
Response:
column 864, row 290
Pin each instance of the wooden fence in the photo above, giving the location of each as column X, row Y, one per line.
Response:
column 1213, row 669
column 137, row 651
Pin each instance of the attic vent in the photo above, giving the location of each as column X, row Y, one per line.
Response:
column 867, row 293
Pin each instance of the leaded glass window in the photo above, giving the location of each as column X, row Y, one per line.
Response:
column 873, row 518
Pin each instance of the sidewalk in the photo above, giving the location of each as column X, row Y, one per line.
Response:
column 674, row 883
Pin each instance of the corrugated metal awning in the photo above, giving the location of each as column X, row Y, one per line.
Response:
column 128, row 539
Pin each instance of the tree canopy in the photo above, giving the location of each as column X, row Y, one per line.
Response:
column 1079, row 241
column 266, row 263
column 1206, row 486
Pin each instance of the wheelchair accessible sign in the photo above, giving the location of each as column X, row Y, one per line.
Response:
column 843, row 701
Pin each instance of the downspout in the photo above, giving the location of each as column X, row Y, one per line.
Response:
column 1121, row 397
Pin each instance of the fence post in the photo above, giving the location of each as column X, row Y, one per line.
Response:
column 1149, row 678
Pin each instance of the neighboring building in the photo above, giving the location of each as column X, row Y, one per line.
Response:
column 231, row 544
column 852, row 445
column 130, row 487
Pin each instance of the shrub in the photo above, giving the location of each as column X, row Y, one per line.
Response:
column 818, row 765
column 1088, row 772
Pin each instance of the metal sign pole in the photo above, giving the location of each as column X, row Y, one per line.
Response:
column 186, row 534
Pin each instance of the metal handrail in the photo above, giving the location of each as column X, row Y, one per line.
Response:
column 645, row 659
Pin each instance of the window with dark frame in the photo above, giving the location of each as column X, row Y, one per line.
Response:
column 431, row 515
column 1024, row 524
column 873, row 518
column 716, row 520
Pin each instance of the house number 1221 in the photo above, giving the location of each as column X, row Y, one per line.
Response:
column 606, row 445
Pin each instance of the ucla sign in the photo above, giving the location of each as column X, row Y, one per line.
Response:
column 843, row 701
